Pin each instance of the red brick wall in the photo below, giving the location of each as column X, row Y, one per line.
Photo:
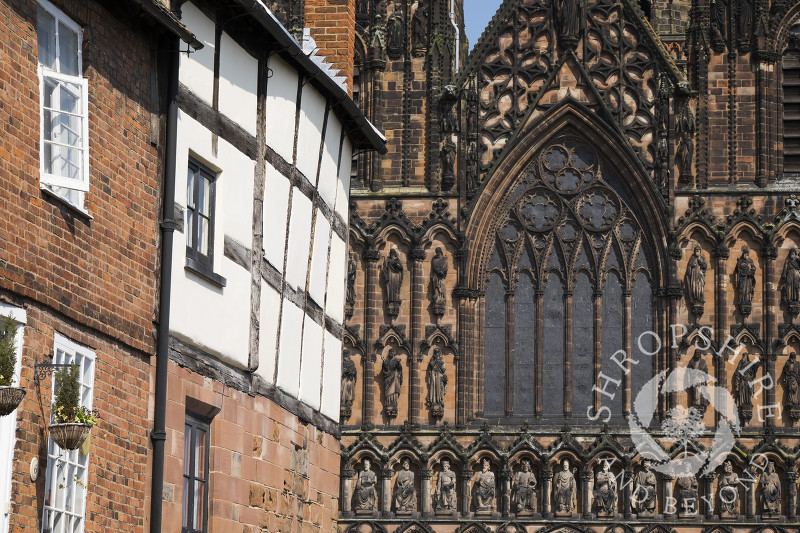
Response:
column 258, row 449
column 332, row 24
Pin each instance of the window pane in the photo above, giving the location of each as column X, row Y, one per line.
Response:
column 186, row 499
column 187, row 449
column 200, row 454
column 46, row 34
column 190, row 228
column 202, row 199
column 190, row 188
column 199, row 498
column 68, row 50
column 202, row 235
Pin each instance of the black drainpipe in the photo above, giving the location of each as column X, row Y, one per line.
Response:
column 168, row 225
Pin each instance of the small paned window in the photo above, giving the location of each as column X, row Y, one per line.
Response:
column 200, row 207
column 64, row 106
column 67, row 470
column 195, row 474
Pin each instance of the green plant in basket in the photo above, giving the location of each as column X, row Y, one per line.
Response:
column 67, row 408
column 8, row 350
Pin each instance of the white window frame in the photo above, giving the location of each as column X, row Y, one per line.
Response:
column 8, row 424
column 68, row 470
column 48, row 180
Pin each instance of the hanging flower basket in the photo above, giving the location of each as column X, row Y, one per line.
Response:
column 10, row 398
column 71, row 435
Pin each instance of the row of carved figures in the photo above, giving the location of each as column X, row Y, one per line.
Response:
column 559, row 496
column 392, row 374
column 694, row 280
column 389, row 33
column 392, row 273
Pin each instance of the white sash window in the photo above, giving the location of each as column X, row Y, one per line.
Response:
column 8, row 424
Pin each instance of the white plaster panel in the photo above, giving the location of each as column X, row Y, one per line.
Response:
column 276, row 208
column 268, row 332
column 290, row 345
column 312, row 115
column 330, row 160
column 334, row 306
column 343, row 185
column 311, row 365
column 238, row 79
column 331, row 377
column 235, row 207
column 319, row 260
column 281, row 107
column 299, row 240
column 197, row 68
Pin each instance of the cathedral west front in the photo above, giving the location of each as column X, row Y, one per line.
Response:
column 573, row 284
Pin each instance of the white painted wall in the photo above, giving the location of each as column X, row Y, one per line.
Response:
column 299, row 240
column 312, row 116
column 331, row 377
column 8, row 423
column 276, row 208
column 197, row 68
column 238, row 77
column 281, row 107
column 319, row 259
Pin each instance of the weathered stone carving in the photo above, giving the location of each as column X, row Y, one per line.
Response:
column 448, row 159
column 437, row 384
column 790, row 283
column 728, row 492
column 745, row 281
column 365, row 495
column 790, row 378
column 349, row 377
column 350, row 295
column 564, row 493
column 698, row 395
column 439, row 268
column 742, row 386
column 719, row 24
column 378, row 43
column 419, row 29
column 523, row 490
column 392, row 277
column 445, row 497
column 770, row 492
column 644, row 491
column 392, row 373
column 686, row 488
column 567, row 18
column 605, row 492
column 396, row 30
column 695, row 282
column 405, row 494
column 484, row 488
column 744, row 22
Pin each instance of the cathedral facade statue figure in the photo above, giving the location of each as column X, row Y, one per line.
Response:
column 605, row 491
column 484, row 487
column 790, row 379
column 392, row 373
column 365, row 494
column 438, row 280
column 419, row 28
column 770, row 491
column 350, row 294
column 378, row 43
column 742, row 385
column 392, row 278
column 685, row 128
column 644, row 491
column 405, row 494
column 719, row 24
column 437, row 384
column 445, row 496
column 348, row 390
column 396, row 33
column 564, row 491
column 790, row 282
column 698, row 398
column 686, row 489
column 695, row 281
column 567, row 18
column 745, row 281
column 728, row 492
column 523, row 489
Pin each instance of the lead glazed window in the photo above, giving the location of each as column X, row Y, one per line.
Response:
column 64, row 106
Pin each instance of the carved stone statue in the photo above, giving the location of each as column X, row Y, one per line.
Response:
column 437, row 384
column 378, row 43
column 567, row 18
column 564, row 494
column 405, row 495
column 419, row 28
column 686, row 488
column 348, row 384
column 605, row 492
column 790, row 378
column 523, row 489
column 365, row 494
column 695, row 281
column 644, row 491
column 728, row 492
column 396, row 30
column 448, row 157
column 770, row 491
column 684, row 154
column 484, row 488
column 697, row 399
column 445, row 497
column 719, row 24
column 744, row 21
column 742, row 385
column 439, row 267
column 790, row 282
column 745, row 281
column 350, row 295
column 392, row 274
column 392, row 373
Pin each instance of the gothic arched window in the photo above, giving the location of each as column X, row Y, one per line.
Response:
column 568, row 285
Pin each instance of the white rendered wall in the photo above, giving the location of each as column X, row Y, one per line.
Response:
column 238, row 77
column 197, row 68
column 281, row 107
column 276, row 205
column 312, row 116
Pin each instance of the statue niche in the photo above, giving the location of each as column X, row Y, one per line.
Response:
column 523, row 490
column 644, row 493
column 436, row 379
column 392, row 374
column 742, row 386
column 405, row 494
column 366, row 495
column 790, row 379
column 396, row 30
column 694, row 281
column 605, row 492
column 484, row 489
column 770, row 492
column 438, row 282
column 445, row 496
column 728, row 492
column 392, row 280
column 564, row 491
column 745, row 281
column 790, row 283
column 348, row 389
